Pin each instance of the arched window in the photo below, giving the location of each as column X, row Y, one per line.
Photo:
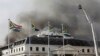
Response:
column 14, row 50
column 22, row 48
column 19, row 49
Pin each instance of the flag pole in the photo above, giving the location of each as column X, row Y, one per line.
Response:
column 8, row 39
column 14, row 27
column 8, row 47
column 92, row 29
column 29, row 36
column 48, row 39
column 63, row 38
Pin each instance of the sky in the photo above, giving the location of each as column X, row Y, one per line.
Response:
column 10, row 9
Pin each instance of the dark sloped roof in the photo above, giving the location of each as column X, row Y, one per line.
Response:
column 13, row 44
column 98, row 43
column 53, row 41
column 56, row 41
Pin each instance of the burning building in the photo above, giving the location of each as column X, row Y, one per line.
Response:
column 57, row 12
column 52, row 44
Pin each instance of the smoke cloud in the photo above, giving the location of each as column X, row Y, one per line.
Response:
column 61, row 12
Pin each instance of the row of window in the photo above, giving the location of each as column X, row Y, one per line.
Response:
column 88, row 50
column 37, row 48
column 21, row 49
column 15, row 50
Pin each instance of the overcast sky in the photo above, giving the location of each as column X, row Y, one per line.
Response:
column 9, row 9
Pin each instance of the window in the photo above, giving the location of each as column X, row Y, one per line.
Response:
column 22, row 48
column 82, row 50
column 19, row 49
column 11, row 50
column 37, row 48
column 43, row 48
column 88, row 50
column 30, row 48
column 14, row 50
column 6, row 52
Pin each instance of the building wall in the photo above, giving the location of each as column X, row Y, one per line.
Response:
column 15, row 50
column 85, row 49
column 22, row 50
column 86, row 53
column 40, row 52
column 75, row 50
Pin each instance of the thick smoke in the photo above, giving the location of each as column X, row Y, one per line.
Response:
column 62, row 12
column 15, row 36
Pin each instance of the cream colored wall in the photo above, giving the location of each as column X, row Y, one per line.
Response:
column 14, row 48
column 26, row 49
column 40, row 52
column 76, row 50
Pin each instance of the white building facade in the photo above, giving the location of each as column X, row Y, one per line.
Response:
column 38, row 46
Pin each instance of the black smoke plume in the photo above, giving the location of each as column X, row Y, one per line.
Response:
column 62, row 12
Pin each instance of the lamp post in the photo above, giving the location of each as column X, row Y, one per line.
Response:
column 92, row 29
